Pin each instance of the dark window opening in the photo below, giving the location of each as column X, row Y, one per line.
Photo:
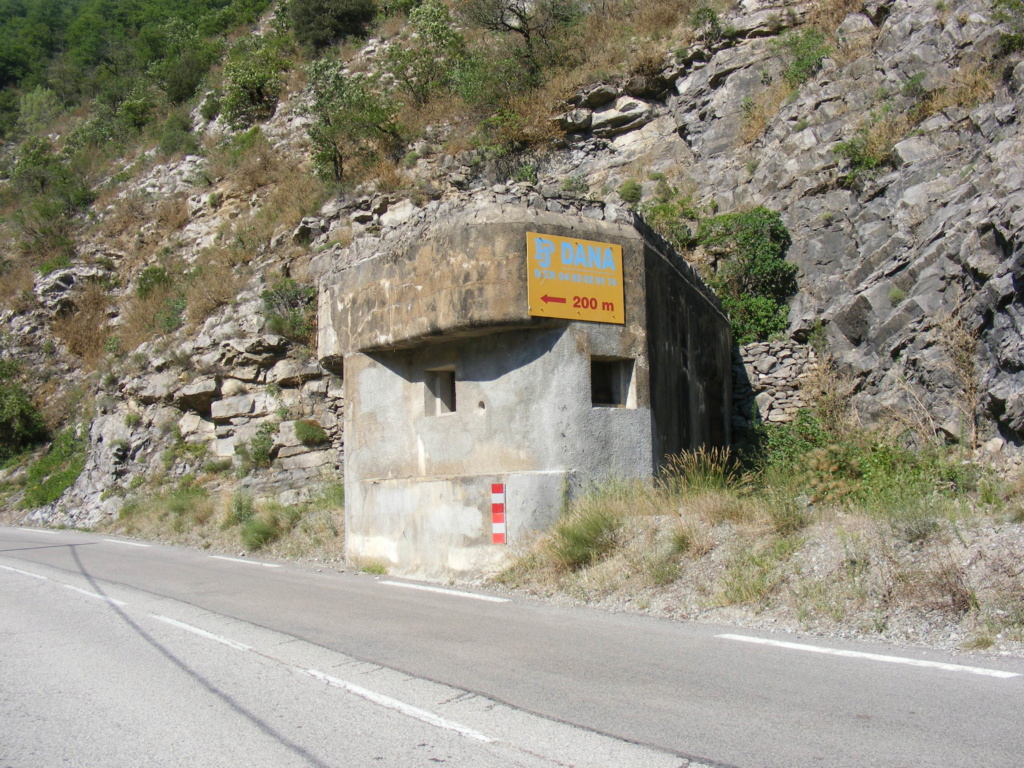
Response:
column 610, row 382
column 440, row 392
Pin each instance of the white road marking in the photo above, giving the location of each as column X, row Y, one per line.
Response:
column 23, row 573
column 203, row 633
column 441, row 591
column 127, row 543
column 104, row 598
column 247, row 562
column 36, row 530
column 873, row 656
column 400, row 706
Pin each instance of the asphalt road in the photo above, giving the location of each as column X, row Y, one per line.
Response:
column 129, row 655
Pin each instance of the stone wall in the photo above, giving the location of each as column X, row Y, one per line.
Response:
column 768, row 381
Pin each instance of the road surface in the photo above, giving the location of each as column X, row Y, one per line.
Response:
column 116, row 653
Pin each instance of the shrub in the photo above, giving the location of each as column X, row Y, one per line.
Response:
column 253, row 82
column 310, row 433
column 318, row 23
column 806, row 49
column 631, row 191
column 210, row 108
column 132, row 419
column 290, row 309
column 242, row 508
column 259, row 450
column 706, row 24
column 536, row 23
column 21, row 424
column 753, row 279
column 426, row 65
column 176, row 136
column 37, row 109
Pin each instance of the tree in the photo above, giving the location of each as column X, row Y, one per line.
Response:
column 535, row 21
column 318, row 23
column 351, row 119
column 428, row 63
column 21, row 425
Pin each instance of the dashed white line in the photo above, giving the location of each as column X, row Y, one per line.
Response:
column 203, row 633
column 96, row 595
column 246, row 562
column 400, row 706
column 873, row 656
column 23, row 573
column 127, row 543
column 441, row 591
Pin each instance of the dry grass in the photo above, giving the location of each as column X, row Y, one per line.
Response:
column 968, row 89
column 139, row 316
column 213, row 285
column 84, row 331
column 16, row 286
column 129, row 212
column 718, row 552
column 759, row 113
column 170, row 214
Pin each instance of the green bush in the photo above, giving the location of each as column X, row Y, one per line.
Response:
column 864, row 155
column 290, row 309
column 54, row 473
column 253, row 82
column 242, row 508
column 318, row 23
column 310, row 433
column 259, row 450
column 631, row 191
column 805, row 50
column 21, row 424
column 176, row 136
column 210, row 108
column 753, row 280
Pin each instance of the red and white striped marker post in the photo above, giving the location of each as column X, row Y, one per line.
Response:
column 498, row 530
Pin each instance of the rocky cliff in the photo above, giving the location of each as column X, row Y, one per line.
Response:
column 895, row 163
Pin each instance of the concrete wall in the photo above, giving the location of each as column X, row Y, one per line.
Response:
column 418, row 482
column 690, row 353
column 418, row 485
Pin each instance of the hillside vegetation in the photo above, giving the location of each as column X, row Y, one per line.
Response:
column 177, row 176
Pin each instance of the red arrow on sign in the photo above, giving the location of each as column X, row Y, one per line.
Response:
column 552, row 299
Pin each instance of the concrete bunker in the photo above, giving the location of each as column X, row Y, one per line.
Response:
column 489, row 375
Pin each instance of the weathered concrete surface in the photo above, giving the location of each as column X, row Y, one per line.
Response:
column 418, row 482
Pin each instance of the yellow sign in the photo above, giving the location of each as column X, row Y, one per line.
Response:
column 574, row 279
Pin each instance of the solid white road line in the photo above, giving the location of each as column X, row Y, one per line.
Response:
column 246, row 562
column 23, row 573
column 377, row 698
column 202, row 633
column 127, row 543
column 441, row 591
column 400, row 706
column 34, row 530
column 872, row 656
column 104, row 598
